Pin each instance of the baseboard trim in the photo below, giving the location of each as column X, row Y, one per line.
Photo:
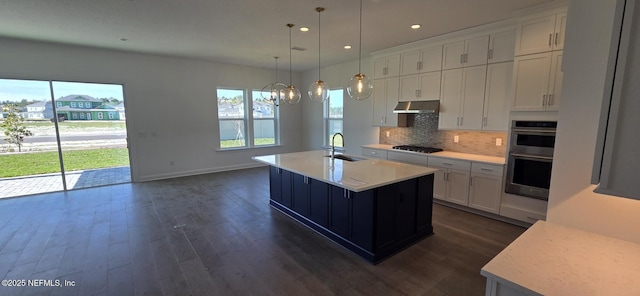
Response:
column 198, row 172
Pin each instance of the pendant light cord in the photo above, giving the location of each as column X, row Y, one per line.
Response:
column 319, row 9
column 290, row 25
column 276, row 68
column 360, row 46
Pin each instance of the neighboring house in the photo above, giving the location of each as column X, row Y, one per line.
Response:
column 83, row 107
column 38, row 110
column 229, row 110
column 120, row 108
column 262, row 109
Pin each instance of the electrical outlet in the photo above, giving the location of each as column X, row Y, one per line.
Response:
column 388, row 134
column 498, row 142
column 456, row 139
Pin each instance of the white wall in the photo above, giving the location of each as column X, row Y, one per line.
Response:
column 170, row 102
column 357, row 114
column 572, row 201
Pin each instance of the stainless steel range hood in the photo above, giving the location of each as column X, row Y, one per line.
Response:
column 414, row 107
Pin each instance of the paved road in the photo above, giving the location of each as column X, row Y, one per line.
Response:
column 70, row 138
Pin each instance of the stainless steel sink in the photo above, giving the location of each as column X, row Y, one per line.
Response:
column 346, row 157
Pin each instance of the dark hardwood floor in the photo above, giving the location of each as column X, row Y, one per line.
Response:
column 216, row 234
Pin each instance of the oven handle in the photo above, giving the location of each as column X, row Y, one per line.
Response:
column 532, row 156
column 524, row 130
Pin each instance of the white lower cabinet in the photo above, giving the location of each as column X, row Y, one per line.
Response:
column 451, row 183
column 375, row 153
column 485, row 187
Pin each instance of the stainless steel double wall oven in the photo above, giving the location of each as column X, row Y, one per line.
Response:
column 530, row 158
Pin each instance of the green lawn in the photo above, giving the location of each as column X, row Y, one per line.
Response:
column 14, row 165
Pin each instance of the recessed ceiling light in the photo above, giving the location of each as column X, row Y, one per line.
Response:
column 347, row 47
column 416, row 26
column 304, row 29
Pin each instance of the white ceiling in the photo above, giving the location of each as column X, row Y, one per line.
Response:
column 247, row 32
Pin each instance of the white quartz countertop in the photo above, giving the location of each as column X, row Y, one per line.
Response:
column 446, row 154
column 550, row 259
column 352, row 175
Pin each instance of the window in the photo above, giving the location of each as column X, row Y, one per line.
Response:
column 74, row 115
column 232, row 116
column 81, row 115
column 73, row 104
column 80, row 105
column 58, row 104
column 333, row 112
column 265, row 120
column 100, row 115
column 88, row 115
column 111, row 115
column 88, row 105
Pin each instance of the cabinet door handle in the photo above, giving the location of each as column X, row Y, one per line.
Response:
column 549, row 100
column 486, row 169
column 446, row 176
column 471, row 181
column 461, row 121
column 347, row 193
column 544, row 100
column 550, row 36
column 491, row 53
column 457, row 120
column 461, row 58
column 556, row 38
column 466, row 57
column 484, row 121
column 419, row 65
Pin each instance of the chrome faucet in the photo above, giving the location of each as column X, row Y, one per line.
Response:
column 333, row 143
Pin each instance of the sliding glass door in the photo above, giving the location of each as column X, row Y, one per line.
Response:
column 73, row 135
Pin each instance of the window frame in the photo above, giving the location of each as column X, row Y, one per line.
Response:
column 253, row 120
column 244, row 119
column 326, row 117
column 248, row 120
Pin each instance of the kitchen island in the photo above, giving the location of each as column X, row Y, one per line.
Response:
column 373, row 207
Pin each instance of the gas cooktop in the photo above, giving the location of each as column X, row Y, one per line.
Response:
column 423, row 148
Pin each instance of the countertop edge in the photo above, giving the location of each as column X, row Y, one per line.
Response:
column 457, row 155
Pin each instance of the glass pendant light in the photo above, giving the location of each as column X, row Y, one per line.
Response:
column 274, row 91
column 319, row 90
column 360, row 87
column 291, row 93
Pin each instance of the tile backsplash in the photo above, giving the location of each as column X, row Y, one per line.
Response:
column 425, row 130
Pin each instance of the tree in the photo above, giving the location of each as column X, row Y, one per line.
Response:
column 13, row 126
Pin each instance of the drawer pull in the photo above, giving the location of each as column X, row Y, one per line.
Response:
column 446, row 163
column 486, row 169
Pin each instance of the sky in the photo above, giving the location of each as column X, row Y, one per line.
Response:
column 16, row 90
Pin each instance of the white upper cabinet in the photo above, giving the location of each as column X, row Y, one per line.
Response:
column 388, row 66
column 462, row 98
column 537, row 82
column 465, row 53
column 561, row 24
column 419, row 61
column 385, row 99
column 496, row 97
column 420, row 87
column 555, row 81
column 502, row 46
column 541, row 34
